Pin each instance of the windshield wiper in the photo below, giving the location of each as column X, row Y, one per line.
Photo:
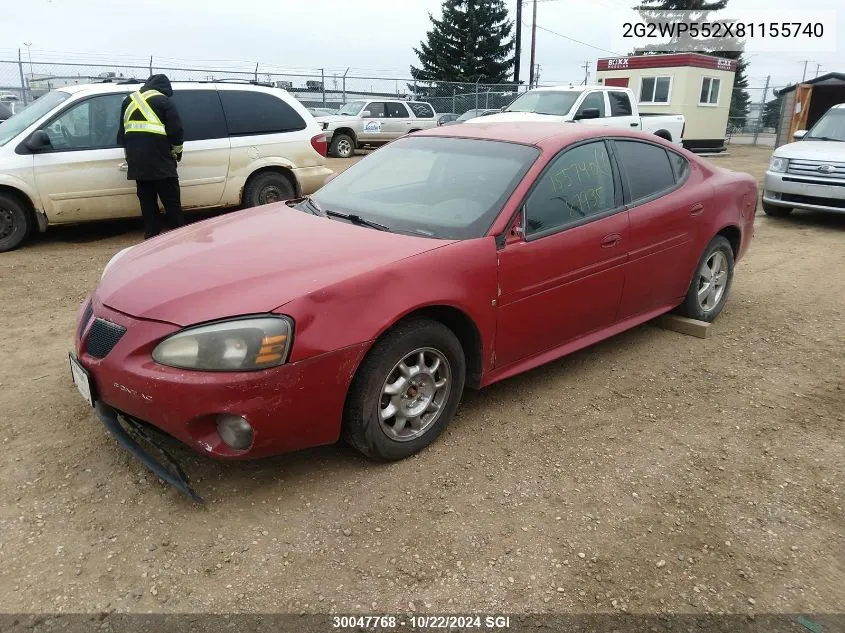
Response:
column 825, row 138
column 356, row 219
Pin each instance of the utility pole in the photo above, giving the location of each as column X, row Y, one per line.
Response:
column 762, row 109
column 537, row 75
column 24, row 84
column 586, row 72
column 804, row 75
column 517, row 58
column 818, row 68
column 29, row 55
column 533, row 44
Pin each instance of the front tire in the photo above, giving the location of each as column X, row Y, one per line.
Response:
column 343, row 146
column 15, row 222
column 776, row 211
column 267, row 188
column 406, row 391
column 708, row 291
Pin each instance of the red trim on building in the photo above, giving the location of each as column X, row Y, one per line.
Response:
column 696, row 60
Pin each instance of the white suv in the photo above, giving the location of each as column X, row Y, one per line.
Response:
column 245, row 144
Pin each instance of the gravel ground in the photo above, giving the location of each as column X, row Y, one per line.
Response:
column 652, row 472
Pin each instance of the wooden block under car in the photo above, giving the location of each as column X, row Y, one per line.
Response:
column 684, row 325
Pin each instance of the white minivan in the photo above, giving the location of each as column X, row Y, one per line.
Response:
column 245, row 144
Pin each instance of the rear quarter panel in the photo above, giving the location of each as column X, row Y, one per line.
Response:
column 460, row 275
column 734, row 205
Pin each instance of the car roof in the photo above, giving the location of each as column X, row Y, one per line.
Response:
column 543, row 135
column 111, row 87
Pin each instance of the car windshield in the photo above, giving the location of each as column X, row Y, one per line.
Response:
column 446, row 188
column 831, row 127
column 16, row 124
column 352, row 108
column 557, row 102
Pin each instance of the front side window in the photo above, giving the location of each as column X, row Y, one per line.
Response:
column 709, row 91
column 594, row 100
column 620, row 104
column 439, row 187
column 554, row 102
column 250, row 113
column 375, row 110
column 396, row 111
column 16, row 124
column 655, row 89
column 646, row 168
column 576, row 185
column 89, row 124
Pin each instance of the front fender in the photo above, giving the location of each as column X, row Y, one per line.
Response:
column 28, row 190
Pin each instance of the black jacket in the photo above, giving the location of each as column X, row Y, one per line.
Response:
column 150, row 156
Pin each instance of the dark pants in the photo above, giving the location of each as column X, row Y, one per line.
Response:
column 149, row 191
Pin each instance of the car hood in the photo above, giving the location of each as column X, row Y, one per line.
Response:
column 833, row 151
column 334, row 118
column 246, row 262
column 515, row 116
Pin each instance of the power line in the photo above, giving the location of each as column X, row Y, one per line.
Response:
column 572, row 39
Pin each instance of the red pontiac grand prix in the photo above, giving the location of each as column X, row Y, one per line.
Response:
column 451, row 258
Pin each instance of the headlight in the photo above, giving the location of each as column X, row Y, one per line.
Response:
column 116, row 256
column 778, row 164
column 244, row 344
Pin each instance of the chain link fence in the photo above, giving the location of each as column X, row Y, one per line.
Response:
column 759, row 124
column 21, row 82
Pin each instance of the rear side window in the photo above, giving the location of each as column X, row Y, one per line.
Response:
column 646, row 168
column 679, row 165
column 201, row 114
column 620, row 104
column 249, row 113
column 421, row 110
column 396, row 111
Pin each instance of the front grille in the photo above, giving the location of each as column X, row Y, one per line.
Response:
column 86, row 316
column 800, row 167
column 102, row 338
column 823, row 202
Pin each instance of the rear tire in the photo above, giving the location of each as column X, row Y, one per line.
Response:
column 776, row 211
column 342, row 146
column 406, row 391
column 15, row 222
column 711, row 283
column 267, row 188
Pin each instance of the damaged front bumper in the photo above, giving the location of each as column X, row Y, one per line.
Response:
column 132, row 435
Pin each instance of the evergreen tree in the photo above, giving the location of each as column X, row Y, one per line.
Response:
column 740, row 98
column 471, row 42
column 771, row 112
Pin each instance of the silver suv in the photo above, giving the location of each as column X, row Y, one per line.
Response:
column 373, row 123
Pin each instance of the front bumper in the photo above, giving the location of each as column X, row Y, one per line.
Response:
column 291, row 407
column 799, row 192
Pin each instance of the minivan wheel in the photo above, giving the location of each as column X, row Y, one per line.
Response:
column 776, row 211
column 406, row 391
column 343, row 146
column 268, row 188
column 15, row 222
column 708, row 291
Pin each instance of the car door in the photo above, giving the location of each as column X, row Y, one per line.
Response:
column 398, row 121
column 563, row 279
column 593, row 100
column 665, row 207
column 373, row 118
column 82, row 175
column 205, row 157
column 621, row 111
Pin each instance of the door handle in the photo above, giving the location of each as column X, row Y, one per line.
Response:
column 124, row 167
column 697, row 209
column 609, row 241
column 635, row 124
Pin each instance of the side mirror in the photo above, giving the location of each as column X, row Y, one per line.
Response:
column 799, row 134
column 38, row 141
column 588, row 113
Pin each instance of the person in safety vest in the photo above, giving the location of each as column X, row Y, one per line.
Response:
column 151, row 134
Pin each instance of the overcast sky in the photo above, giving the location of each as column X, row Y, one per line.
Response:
column 305, row 35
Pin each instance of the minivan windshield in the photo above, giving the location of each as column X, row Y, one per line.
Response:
column 13, row 126
column 831, row 127
column 352, row 108
column 439, row 187
column 556, row 102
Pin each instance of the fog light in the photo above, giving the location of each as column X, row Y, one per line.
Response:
column 234, row 431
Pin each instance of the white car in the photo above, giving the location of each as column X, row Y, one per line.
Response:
column 809, row 174
column 245, row 145
column 604, row 106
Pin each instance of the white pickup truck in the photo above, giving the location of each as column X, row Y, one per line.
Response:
column 607, row 106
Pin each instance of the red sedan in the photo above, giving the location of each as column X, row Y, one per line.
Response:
column 451, row 258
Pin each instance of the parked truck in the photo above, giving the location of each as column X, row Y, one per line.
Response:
column 608, row 106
